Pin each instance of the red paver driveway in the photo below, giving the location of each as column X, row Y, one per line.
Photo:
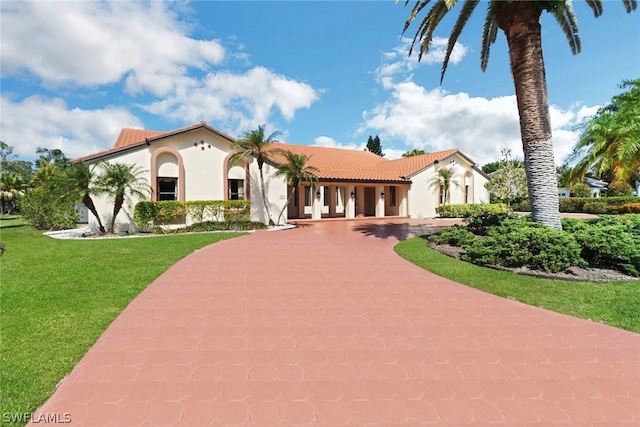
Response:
column 325, row 325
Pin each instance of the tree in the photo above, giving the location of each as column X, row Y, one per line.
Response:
column 580, row 190
column 609, row 144
column 442, row 182
column 375, row 146
column 414, row 152
column 520, row 22
column 509, row 183
column 14, row 178
column 77, row 183
column 254, row 144
column 295, row 170
column 119, row 180
column 494, row 166
column 53, row 155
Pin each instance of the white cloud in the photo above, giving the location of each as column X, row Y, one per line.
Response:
column 398, row 64
column 480, row 127
column 42, row 122
column 237, row 102
column 93, row 43
column 326, row 141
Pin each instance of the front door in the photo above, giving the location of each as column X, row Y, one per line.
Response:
column 369, row 201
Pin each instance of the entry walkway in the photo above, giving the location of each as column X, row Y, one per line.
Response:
column 325, row 325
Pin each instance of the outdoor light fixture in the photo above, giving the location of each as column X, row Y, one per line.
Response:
column 382, row 194
column 318, row 194
column 353, row 194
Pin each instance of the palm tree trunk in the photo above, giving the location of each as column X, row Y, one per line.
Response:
column 520, row 21
column 293, row 191
column 264, row 196
column 117, row 205
column 88, row 202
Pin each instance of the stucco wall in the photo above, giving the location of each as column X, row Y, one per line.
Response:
column 275, row 188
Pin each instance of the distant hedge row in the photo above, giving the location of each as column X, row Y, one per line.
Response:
column 602, row 205
column 149, row 214
column 469, row 210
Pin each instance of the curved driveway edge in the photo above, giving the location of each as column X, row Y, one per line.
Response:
column 326, row 325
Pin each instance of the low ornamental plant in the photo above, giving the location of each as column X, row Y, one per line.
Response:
column 148, row 215
column 468, row 210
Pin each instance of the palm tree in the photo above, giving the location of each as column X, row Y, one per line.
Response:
column 119, row 180
column 520, row 22
column 609, row 143
column 11, row 188
column 295, row 170
column 254, row 144
column 442, row 182
column 78, row 182
column 414, row 152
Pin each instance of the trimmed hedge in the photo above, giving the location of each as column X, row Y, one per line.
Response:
column 471, row 210
column 577, row 204
column 232, row 225
column 148, row 214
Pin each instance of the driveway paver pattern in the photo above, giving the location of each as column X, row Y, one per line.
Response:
column 326, row 325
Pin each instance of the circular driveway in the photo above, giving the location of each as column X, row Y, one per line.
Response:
column 325, row 325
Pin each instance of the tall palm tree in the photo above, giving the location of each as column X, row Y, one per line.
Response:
column 11, row 188
column 295, row 170
column 520, row 22
column 442, row 182
column 254, row 144
column 609, row 143
column 78, row 183
column 119, row 180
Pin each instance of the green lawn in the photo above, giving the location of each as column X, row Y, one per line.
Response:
column 7, row 221
column 613, row 303
column 58, row 296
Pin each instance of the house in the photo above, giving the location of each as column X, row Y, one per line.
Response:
column 193, row 163
column 596, row 186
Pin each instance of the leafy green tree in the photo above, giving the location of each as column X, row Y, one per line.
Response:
column 619, row 188
column 494, row 166
column 509, row 183
column 119, row 180
column 51, row 155
column 414, row 152
column 14, row 178
column 254, row 144
column 375, row 146
column 580, row 190
column 609, row 144
column 442, row 182
column 520, row 22
column 296, row 170
column 77, row 183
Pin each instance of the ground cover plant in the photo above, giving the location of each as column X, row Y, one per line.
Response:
column 613, row 303
column 58, row 296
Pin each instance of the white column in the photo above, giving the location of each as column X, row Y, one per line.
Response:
column 350, row 206
column 380, row 201
column 316, row 203
column 402, row 195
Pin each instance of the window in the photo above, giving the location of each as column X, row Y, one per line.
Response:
column 466, row 194
column 392, row 196
column 236, row 189
column 325, row 190
column 307, row 195
column 167, row 189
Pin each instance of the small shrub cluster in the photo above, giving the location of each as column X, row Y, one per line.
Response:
column 581, row 190
column 619, row 189
column 629, row 208
column 43, row 211
column 602, row 205
column 608, row 241
column 468, row 210
column 148, row 214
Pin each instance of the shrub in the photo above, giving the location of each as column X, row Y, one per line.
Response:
column 225, row 226
column 467, row 210
column 628, row 208
column 596, row 207
column 576, row 204
column 619, row 188
column 46, row 212
column 147, row 214
column 480, row 224
column 522, row 242
column 456, row 235
column 581, row 190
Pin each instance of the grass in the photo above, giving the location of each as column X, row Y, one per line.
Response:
column 613, row 303
column 58, row 296
column 7, row 221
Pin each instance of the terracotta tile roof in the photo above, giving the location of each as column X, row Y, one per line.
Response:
column 129, row 137
column 410, row 165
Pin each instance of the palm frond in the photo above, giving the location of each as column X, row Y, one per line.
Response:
column 420, row 4
column 630, row 5
column 431, row 21
column 596, row 7
column 466, row 11
column 566, row 17
column 489, row 34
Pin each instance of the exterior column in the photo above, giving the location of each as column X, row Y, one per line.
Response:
column 350, row 205
column 403, row 195
column 316, row 203
column 332, row 200
column 380, row 201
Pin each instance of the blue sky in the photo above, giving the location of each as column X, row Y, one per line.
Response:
column 326, row 73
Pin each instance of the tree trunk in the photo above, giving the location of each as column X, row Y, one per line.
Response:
column 264, row 196
column 88, row 202
column 293, row 191
column 520, row 21
column 117, row 205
